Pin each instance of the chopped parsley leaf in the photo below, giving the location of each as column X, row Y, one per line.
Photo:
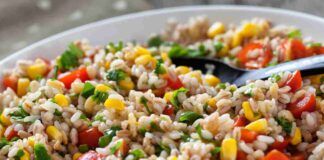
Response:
column 189, row 117
column 116, row 75
column 70, row 58
column 143, row 101
column 87, row 90
column 285, row 124
column 295, row 34
column 174, row 99
column 155, row 41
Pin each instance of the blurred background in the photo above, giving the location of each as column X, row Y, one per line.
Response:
column 23, row 22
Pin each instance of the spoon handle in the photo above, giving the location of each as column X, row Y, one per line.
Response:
column 307, row 66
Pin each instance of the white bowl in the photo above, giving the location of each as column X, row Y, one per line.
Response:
column 140, row 25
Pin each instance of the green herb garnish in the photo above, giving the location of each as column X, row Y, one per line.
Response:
column 155, row 41
column 137, row 153
column 295, row 34
column 116, row 75
column 113, row 48
column 159, row 69
column 100, row 97
column 87, row 90
column 70, row 58
column 19, row 154
column 285, row 124
column 143, row 101
column 215, row 151
column 83, row 148
column 19, row 114
column 174, row 99
column 116, row 147
column 108, row 136
column 40, row 152
column 189, row 117
column 218, row 46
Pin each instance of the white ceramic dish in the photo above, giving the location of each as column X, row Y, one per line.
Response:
column 140, row 25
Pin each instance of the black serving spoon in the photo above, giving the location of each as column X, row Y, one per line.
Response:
column 232, row 74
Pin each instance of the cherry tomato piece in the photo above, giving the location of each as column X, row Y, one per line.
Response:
column 240, row 121
column 275, row 155
column 295, row 82
column 248, row 136
column 168, row 110
column 241, row 155
column 298, row 49
column 174, row 83
column 304, row 104
column 90, row 137
column 90, row 155
column 261, row 60
column 297, row 156
column 280, row 145
column 12, row 134
column 69, row 77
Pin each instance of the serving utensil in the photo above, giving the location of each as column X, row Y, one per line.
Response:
column 232, row 74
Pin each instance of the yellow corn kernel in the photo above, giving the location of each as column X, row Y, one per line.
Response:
column 114, row 103
column 316, row 79
column 248, row 112
column 2, row 130
column 224, row 51
column 102, row 88
column 228, row 149
column 53, row 133
column 126, row 84
column 296, row 139
column 212, row 80
column 36, row 70
column 26, row 156
column 76, row 155
column 145, row 60
column 259, row 126
column 61, row 100
column 5, row 120
column 141, row 51
column 216, row 29
column 165, row 57
column 31, row 141
column 107, row 65
column 22, row 88
column 167, row 96
column 249, row 30
column 197, row 75
column 172, row 158
column 237, row 39
column 212, row 102
column 182, row 70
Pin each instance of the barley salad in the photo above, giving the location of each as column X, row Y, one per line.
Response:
column 128, row 101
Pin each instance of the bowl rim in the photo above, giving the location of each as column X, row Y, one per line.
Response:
column 157, row 12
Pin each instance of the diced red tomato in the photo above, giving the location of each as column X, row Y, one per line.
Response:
column 248, row 136
column 123, row 149
column 298, row 49
column 280, row 145
column 261, row 60
column 275, row 155
column 174, row 83
column 10, row 81
column 90, row 155
column 241, row 155
column 69, row 77
column 12, row 134
column 304, row 104
column 295, row 82
column 90, row 137
column 297, row 156
column 240, row 121
column 168, row 110
column 315, row 50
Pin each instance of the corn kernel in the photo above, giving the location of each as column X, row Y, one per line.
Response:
column 2, row 130
column 102, row 88
column 197, row 75
column 126, row 84
column 61, row 100
column 182, row 70
column 22, row 88
column 31, row 141
column 26, row 156
column 249, row 30
column 212, row 102
column 224, row 51
column 212, row 80
column 114, row 103
column 259, row 126
column 248, row 112
column 168, row 96
column 216, row 29
column 53, row 133
column 36, row 70
column 237, row 39
column 76, row 155
column 145, row 60
column 107, row 65
column 165, row 57
column 296, row 139
column 228, row 149
column 5, row 120
column 141, row 51
column 316, row 79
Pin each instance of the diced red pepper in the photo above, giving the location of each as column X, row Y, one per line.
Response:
column 90, row 155
column 12, row 134
column 240, row 121
column 69, row 77
column 90, row 137
column 275, row 155
column 248, row 136
column 10, row 81
column 304, row 104
column 298, row 49
column 241, row 155
column 168, row 110
column 174, row 83
column 295, row 82
column 260, row 61
column 280, row 145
